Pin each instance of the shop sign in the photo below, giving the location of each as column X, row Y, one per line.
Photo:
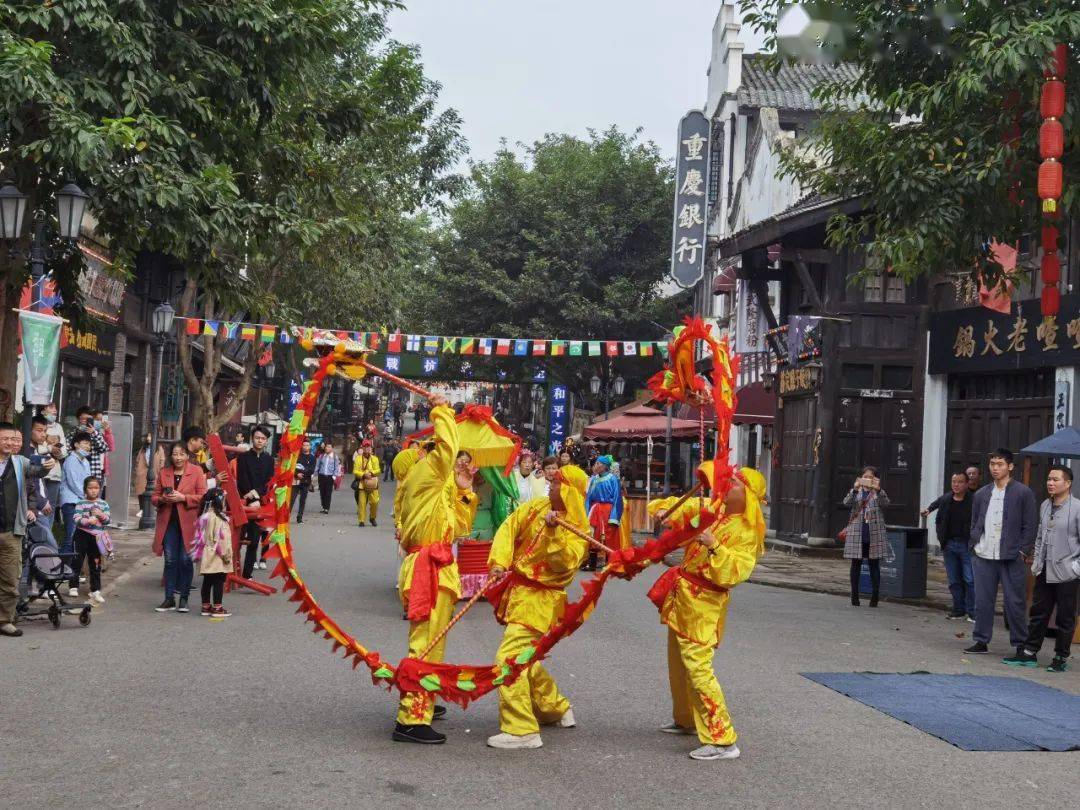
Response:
column 558, row 417
column 1061, row 404
column 95, row 348
column 691, row 200
column 797, row 380
column 979, row 339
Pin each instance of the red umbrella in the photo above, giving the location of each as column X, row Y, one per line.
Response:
column 640, row 423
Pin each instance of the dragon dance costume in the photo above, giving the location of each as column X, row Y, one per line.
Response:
column 430, row 512
column 540, row 561
column 693, row 601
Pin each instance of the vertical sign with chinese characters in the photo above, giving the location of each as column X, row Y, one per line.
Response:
column 558, row 417
column 1061, row 404
column 690, row 215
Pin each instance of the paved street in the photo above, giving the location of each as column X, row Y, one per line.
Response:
column 142, row 709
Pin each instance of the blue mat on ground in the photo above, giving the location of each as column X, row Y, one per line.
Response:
column 972, row 712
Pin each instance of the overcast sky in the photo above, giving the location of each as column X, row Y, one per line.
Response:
column 518, row 70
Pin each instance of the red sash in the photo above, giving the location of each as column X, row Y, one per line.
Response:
column 599, row 514
column 658, row 593
column 425, row 579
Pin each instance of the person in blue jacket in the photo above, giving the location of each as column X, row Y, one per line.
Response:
column 604, row 506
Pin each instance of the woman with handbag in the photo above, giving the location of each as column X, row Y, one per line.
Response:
column 864, row 537
column 367, row 471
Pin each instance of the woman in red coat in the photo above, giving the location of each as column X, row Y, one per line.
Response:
column 178, row 494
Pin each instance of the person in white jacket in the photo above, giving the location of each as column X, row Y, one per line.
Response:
column 527, row 485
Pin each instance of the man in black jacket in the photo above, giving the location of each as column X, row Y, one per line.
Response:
column 953, row 524
column 254, row 469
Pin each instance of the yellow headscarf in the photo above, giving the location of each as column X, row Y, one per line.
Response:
column 573, row 494
column 754, row 483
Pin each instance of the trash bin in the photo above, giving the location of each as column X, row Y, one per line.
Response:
column 903, row 568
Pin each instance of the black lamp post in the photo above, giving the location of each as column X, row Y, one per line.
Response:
column 668, row 338
column 616, row 387
column 70, row 207
column 161, row 323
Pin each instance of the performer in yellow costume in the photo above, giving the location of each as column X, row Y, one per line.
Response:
column 436, row 505
column 693, row 601
column 366, row 468
column 539, row 559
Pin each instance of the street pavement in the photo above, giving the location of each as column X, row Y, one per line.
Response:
column 147, row 709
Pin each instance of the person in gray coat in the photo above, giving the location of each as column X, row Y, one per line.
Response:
column 1056, row 568
column 865, row 533
column 1003, row 522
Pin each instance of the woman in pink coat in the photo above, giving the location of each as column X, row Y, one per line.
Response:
column 178, row 494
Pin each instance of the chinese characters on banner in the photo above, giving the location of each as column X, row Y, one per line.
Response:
column 558, row 417
column 691, row 200
column 979, row 339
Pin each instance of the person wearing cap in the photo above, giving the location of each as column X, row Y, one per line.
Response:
column 693, row 600
column 367, row 470
column 537, row 560
column 436, row 499
column 604, row 506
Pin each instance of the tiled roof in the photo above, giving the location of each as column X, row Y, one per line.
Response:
column 789, row 88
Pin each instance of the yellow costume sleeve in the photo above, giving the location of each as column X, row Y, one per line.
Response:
column 502, row 546
column 372, row 467
column 466, row 502
column 731, row 561
column 423, row 511
column 441, row 458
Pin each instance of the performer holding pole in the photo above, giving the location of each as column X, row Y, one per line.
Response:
column 436, row 504
column 536, row 558
column 693, row 601
column 604, row 506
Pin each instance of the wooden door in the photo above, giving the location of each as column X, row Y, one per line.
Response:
column 881, row 433
column 798, row 467
column 987, row 411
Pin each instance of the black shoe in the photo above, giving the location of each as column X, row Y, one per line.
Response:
column 978, row 648
column 425, row 735
column 373, row 523
column 1059, row 664
column 299, row 518
column 873, row 600
column 361, row 523
column 439, row 713
column 166, row 606
column 955, row 614
column 855, row 601
column 1022, row 659
column 22, row 608
column 182, row 607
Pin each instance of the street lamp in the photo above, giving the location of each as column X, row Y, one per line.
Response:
column 70, row 207
column 616, row 387
column 161, row 324
column 668, row 339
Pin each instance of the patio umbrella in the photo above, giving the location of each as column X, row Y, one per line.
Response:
column 1065, row 443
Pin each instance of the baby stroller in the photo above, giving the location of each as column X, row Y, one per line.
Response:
column 47, row 572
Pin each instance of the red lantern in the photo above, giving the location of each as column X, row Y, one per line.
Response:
column 1051, row 301
column 1049, row 237
column 1050, row 179
column 1051, row 267
column 1061, row 60
column 1052, row 102
column 1051, row 139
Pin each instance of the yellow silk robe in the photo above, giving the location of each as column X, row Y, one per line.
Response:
column 550, row 555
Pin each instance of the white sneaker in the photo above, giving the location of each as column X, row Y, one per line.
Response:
column 82, row 580
column 96, row 596
column 509, row 741
column 567, row 720
column 675, row 728
column 707, row 752
column 262, row 565
column 73, row 593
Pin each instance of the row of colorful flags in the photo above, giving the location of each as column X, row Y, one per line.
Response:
column 398, row 342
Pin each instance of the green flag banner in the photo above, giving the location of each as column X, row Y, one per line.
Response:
column 41, row 355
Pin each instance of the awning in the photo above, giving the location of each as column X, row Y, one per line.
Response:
column 640, row 423
column 754, row 406
column 1065, row 443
